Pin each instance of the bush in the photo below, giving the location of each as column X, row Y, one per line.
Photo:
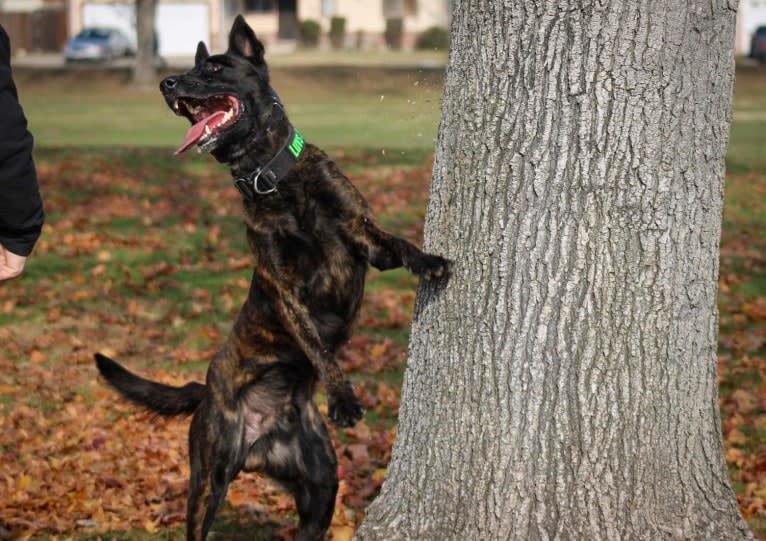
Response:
column 310, row 32
column 337, row 32
column 435, row 38
column 394, row 32
column 360, row 39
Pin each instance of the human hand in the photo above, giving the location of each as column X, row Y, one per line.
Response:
column 11, row 265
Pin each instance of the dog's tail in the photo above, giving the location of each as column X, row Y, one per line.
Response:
column 162, row 399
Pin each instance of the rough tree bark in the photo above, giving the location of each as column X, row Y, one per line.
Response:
column 144, row 72
column 563, row 385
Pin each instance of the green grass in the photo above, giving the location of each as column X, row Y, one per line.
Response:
column 747, row 143
column 748, row 89
column 358, row 107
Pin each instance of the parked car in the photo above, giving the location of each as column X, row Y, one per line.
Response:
column 758, row 44
column 98, row 44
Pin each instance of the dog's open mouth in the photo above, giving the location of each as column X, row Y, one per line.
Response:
column 209, row 117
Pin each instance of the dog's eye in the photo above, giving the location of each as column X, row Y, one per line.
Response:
column 213, row 68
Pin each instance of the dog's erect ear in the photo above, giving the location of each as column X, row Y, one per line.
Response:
column 242, row 41
column 202, row 53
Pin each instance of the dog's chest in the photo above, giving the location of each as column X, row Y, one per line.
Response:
column 309, row 251
column 318, row 259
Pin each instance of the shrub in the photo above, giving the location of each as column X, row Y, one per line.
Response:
column 394, row 32
column 360, row 39
column 310, row 32
column 436, row 38
column 337, row 32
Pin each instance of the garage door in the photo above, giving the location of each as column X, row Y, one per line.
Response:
column 179, row 26
column 120, row 16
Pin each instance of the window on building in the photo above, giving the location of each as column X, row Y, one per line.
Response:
column 400, row 8
column 328, row 8
column 393, row 9
column 260, row 6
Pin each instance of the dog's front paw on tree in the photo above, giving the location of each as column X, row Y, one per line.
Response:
column 343, row 407
column 431, row 267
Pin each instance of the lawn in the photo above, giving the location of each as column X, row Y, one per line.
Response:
column 333, row 106
column 143, row 257
column 742, row 300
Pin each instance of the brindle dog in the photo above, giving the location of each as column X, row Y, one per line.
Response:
column 312, row 237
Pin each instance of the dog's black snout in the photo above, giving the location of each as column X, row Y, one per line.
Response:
column 169, row 83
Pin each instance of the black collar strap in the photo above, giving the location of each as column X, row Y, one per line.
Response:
column 264, row 180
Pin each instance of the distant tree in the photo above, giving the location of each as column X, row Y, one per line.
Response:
column 563, row 384
column 144, row 73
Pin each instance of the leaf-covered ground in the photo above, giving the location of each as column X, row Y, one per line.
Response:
column 742, row 342
column 143, row 258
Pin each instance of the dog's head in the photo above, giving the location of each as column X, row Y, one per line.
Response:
column 226, row 97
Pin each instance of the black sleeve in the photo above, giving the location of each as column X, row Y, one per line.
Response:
column 21, row 207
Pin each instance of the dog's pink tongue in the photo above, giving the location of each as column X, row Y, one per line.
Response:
column 196, row 132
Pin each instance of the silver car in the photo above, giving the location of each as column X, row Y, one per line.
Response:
column 98, row 44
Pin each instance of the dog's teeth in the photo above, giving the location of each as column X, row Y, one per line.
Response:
column 207, row 130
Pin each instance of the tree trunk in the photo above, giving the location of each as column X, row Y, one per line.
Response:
column 144, row 73
column 564, row 385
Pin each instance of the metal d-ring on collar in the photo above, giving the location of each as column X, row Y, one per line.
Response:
column 264, row 180
column 260, row 181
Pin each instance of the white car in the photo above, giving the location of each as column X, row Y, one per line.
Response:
column 98, row 44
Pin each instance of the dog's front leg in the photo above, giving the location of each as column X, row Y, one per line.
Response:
column 383, row 250
column 344, row 408
column 386, row 251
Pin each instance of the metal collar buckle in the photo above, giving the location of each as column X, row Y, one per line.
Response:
column 259, row 182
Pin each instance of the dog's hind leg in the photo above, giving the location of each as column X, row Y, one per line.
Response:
column 215, row 449
column 215, row 456
column 302, row 460
column 315, row 502
column 315, row 492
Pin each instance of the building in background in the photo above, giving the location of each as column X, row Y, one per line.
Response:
column 365, row 20
column 34, row 25
column 180, row 24
column 44, row 25
column 750, row 15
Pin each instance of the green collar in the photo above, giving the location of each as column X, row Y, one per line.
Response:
column 264, row 180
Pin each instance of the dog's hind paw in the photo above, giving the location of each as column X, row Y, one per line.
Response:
column 344, row 408
column 432, row 267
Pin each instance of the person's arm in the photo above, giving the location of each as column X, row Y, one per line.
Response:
column 21, row 209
